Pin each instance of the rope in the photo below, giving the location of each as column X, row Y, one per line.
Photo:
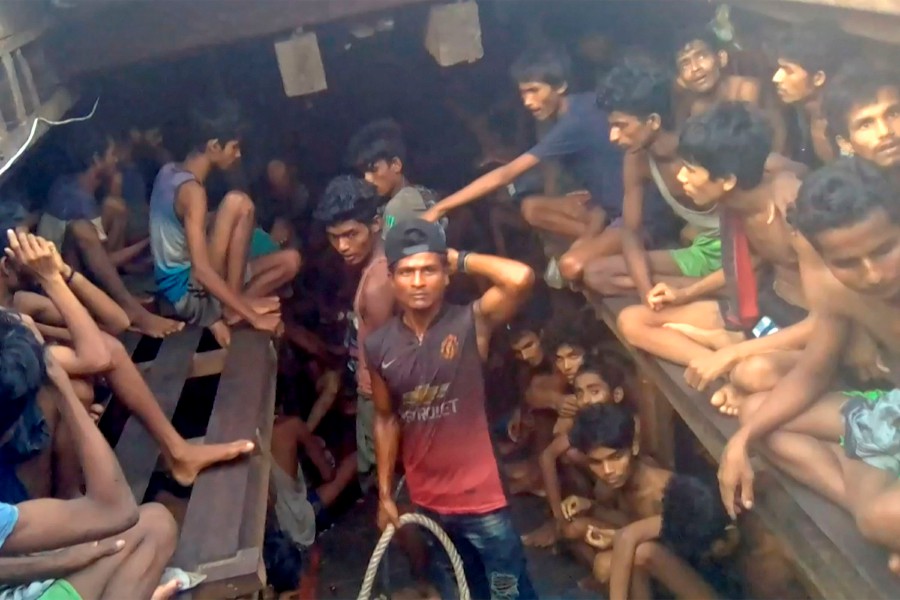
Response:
column 365, row 592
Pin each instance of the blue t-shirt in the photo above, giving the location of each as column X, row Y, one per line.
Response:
column 68, row 201
column 9, row 516
column 579, row 139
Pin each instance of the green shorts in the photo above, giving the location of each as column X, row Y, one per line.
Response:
column 60, row 590
column 702, row 257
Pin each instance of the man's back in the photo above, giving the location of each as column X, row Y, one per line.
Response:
column 437, row 389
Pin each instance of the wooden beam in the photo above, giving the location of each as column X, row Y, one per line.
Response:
column 139, row 30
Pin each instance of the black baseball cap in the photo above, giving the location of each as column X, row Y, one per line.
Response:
column 414, row 236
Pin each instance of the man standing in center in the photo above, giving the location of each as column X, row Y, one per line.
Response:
column 426, row 368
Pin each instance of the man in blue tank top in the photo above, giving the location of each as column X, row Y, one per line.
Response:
column 203, row 265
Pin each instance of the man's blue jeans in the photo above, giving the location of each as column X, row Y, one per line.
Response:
column 492, row 555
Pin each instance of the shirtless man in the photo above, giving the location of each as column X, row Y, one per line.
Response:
column 862, row 104
column 607, row 446
column 84, row 351
column 701, row 82
column 808, row 55
column 725, row 152
column 211, row 280
column 637, row 97
column 92, row 236
column 348, row 212
column 593, row 385
column 99, row 545
column 578, row 137
column 849, row 213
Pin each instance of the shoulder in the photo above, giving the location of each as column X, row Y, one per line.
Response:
column 377, row 341
column 740, row 88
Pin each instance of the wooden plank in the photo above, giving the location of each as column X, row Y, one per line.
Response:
column 822, row 537
column 136, row 450
column 226, row 543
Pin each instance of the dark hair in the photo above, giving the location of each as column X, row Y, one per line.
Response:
column 347, row 198
column 519, row 330
column 729, row 139
column 379, row 140
column 217, row 119
column 815, row 46
column 638, row 87
column 693, row 516
column 856, row 84
column 602, row 425
column 283, row 560
column 842, row 194
column 83, row 143
column 23, row 369
column 694, row 33
column 544, row 64
column 556, row 338
column 611, row 374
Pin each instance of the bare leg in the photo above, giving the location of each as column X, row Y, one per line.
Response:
column 643, row 328
column 114, row 215
column 92, row 253
column 271, row 272
column 555, row 215
column 185, row 460
column 134, row 571
column 756, row 374
column 714, row 339
column 229, row 241
column 607, row 243
column 609, row 276
column 654, row 560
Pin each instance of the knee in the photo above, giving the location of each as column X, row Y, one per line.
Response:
column 749, row 406
column 872, row 517
column 632, row 323
column 755, row 374
column 237, row 204
column 570, row 267
column 157, row 525
column 645, row 554
column 504, row 585
column 530, row 210
column 115, row 349
column 291, row 261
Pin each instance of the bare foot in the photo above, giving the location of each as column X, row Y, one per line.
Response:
column 542, row 537
column 221, row 332
column 728, row 400
column 96, row 411
column 894, row 563
column 715, row 339
column 191, row 459
column 154, row 325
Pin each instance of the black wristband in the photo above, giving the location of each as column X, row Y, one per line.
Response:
column 461, row 257
column 71, row 276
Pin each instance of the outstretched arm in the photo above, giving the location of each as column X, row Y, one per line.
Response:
column 511, row 281
column 387, row 441
column 626, row 542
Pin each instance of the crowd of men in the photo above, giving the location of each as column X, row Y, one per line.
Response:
column 752, row 218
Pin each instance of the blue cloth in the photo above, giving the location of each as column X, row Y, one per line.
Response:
column 171, row 260
column 29, row 437
column 579, row 139
column 68, row 201
column 492, row 554
column 9, row 516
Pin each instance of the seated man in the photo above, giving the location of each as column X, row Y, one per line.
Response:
column 283, row 205
column 862, row 104
column 76, row 223
column 85, row 352
column 594, row 384
column 211, row 280
column 808, row 55
column 701, row 82
column 725, row 151
column 100, row 545
column 378, row 153
column 604, row 436
column 638, row 98
column 849, row 213
column 577, row 135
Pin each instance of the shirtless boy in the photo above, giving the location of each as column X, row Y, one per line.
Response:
column 638, row 98
column 92, row 236
column 348, row 212
column 701, row 82
column 209, row 279
column 808, row 56
column 862, row 104
column 100, row 545
column 606, row 444
column 725, row 152
column 593, row 385
column 577, row 136
column 85, row 352
column 851, row 215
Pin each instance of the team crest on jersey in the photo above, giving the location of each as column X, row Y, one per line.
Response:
column 449, row 347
